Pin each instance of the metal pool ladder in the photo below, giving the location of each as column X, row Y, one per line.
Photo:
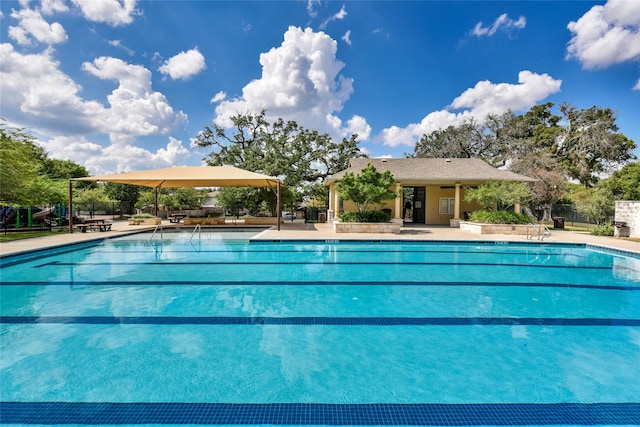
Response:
column 198, row 229
column 539, row 231
column 159, row 226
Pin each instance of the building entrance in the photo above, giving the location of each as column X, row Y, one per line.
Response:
column 414, row 204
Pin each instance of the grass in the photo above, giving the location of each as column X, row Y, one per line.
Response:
column 11, row 236
column 573, row 228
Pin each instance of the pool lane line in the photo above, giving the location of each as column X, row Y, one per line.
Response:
column 387, row 414
column 318, row 320
column 276, row 262
column 79, row 284
column 330, row 250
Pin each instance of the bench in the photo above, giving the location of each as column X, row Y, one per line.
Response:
column 105, row 226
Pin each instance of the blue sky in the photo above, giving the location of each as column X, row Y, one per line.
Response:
column 120, row 85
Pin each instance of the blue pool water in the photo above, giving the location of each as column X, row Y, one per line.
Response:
column 219, row 330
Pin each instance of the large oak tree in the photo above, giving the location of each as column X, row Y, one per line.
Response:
column 299, row 156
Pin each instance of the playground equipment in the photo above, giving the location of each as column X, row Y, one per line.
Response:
column 27, row 218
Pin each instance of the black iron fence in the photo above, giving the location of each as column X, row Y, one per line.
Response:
column 570, row 214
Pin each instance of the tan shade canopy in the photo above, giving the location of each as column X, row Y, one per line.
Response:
column 189, row 176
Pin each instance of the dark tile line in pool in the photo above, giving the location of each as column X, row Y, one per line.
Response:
column 10, row 260
column 72, row 284
column 324, row 262
column 321, row 413
column 319, row 320
column 328, row 250
column 422, row 242
column 613, row 251
column 459, row 243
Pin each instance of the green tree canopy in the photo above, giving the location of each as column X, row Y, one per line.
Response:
column 597, row 204
column 63, row 169
column 579, row 144
column 468, row 140
column 92, row 198
column 590, row 143
column 234, row 199
column 624, row 184
column 370, row 187
column 298, row 156
column 21, row 179
column 126, row 194
column 27, row 175
column 500, row 194
column 182, row 198
column 18, row 172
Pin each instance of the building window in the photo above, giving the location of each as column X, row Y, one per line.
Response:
column 447, row 205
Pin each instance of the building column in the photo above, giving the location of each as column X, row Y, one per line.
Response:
column 517, row 208
column 399, row 206
column 456, row 208
column 332, row 203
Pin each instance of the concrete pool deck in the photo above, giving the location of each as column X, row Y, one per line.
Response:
column 300, row 231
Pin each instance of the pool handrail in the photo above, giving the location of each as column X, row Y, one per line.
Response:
column 198, row 229
column 538, row 231
column 159, row 226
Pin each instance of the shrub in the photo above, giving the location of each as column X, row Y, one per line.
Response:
column 142, row 216
column 208, row 215
column 499, row 217
column 602, row 230
column 366, row 216
column 370, row 187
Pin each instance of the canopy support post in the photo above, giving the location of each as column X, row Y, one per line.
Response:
column 156, row 201
column 278, row 210
column 70, row 206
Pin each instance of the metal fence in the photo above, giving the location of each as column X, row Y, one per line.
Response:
column 570, row 214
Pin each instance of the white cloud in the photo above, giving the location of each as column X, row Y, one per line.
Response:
column 112, row 12
column 300, row 81
column 606, row 35
column 502, row 23
column 311, row 5
column 484, row 98
column 118, row 44
column 637, row 86
column 395, row 135
column 32, row 25
column 125, row 158
column 34, row 90
column 220, row 96
column 184, row 65
column 49, row 7
column 115, row 158
column 173, row 154
column 337, row 17
column 487, row 98
column 358, row 125
column 77, row 149
column 347, row 37
column 135, row 108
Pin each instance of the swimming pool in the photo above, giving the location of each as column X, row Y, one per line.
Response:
column 219, row 330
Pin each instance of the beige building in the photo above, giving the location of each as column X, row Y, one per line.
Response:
column 431, row 190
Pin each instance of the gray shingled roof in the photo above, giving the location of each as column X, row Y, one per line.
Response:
column 432, row 170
